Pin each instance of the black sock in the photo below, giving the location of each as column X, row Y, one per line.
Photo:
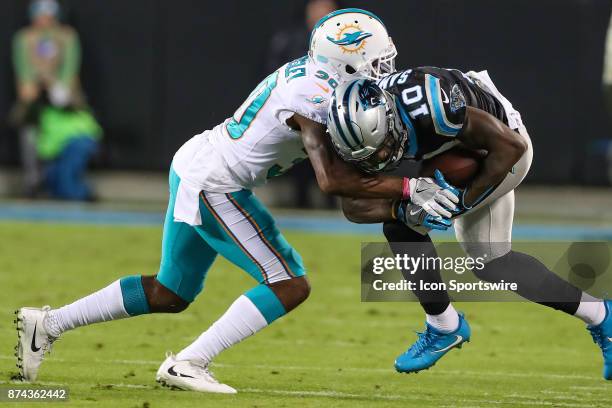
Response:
column 535, row 281
column 433, row 302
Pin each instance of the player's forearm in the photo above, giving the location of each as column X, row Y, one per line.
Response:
column 337, row 177
column 504, row 146
column 361, row 186
column 367, row 211
column 495, row 168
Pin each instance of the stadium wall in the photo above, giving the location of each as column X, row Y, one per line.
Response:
column 156, row 72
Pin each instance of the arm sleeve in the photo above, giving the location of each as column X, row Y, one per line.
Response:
column 446, row 104
column 23, row 69
column 72, row 58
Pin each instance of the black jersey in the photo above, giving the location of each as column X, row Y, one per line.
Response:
column 432, row 104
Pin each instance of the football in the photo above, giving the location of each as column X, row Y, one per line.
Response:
column 458, row 165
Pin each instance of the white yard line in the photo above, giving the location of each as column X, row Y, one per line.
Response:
column 604, row 387
column 505, row 374
column 56, row 384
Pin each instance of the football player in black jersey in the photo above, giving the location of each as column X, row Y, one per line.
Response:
column 417, row 114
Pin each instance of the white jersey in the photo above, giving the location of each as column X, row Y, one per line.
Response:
column 255, row 144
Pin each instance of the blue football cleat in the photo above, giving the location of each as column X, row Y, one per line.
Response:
column 431, row 346
column 602, row 335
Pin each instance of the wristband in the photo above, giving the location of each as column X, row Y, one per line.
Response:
column 406, row 188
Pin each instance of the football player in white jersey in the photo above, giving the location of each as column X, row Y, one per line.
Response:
column 213, row 211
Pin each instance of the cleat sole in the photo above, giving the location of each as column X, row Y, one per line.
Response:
column 19, row 327
column 163, row 383
column 416, row 372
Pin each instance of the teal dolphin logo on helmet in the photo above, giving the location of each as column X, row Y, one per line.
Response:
column 351, row 38
column 353, row 42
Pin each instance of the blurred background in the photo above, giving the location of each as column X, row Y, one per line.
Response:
column 121, row 85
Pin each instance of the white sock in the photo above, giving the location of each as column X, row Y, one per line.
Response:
column 240, row 321
column 446, row 322
column 101, row 306
column 591, row 310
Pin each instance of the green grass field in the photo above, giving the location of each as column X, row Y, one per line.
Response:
column 332, row 351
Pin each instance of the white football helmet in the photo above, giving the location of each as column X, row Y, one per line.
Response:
column 355, row 42
column 364, row 126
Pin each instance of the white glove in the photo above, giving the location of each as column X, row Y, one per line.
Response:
column 434, row 199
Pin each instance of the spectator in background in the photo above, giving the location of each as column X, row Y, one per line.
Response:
column 50, row 112
column 68, row 138
column 287, row 45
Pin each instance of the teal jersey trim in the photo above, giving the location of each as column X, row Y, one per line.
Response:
column 296, row 68
column 267, row 302
column 258, row 98
column 441, row 123
column 134, row 298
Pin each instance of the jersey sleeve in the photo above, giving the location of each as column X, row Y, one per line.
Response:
column 447, row 105
column 309, row 97
column 23, row 67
